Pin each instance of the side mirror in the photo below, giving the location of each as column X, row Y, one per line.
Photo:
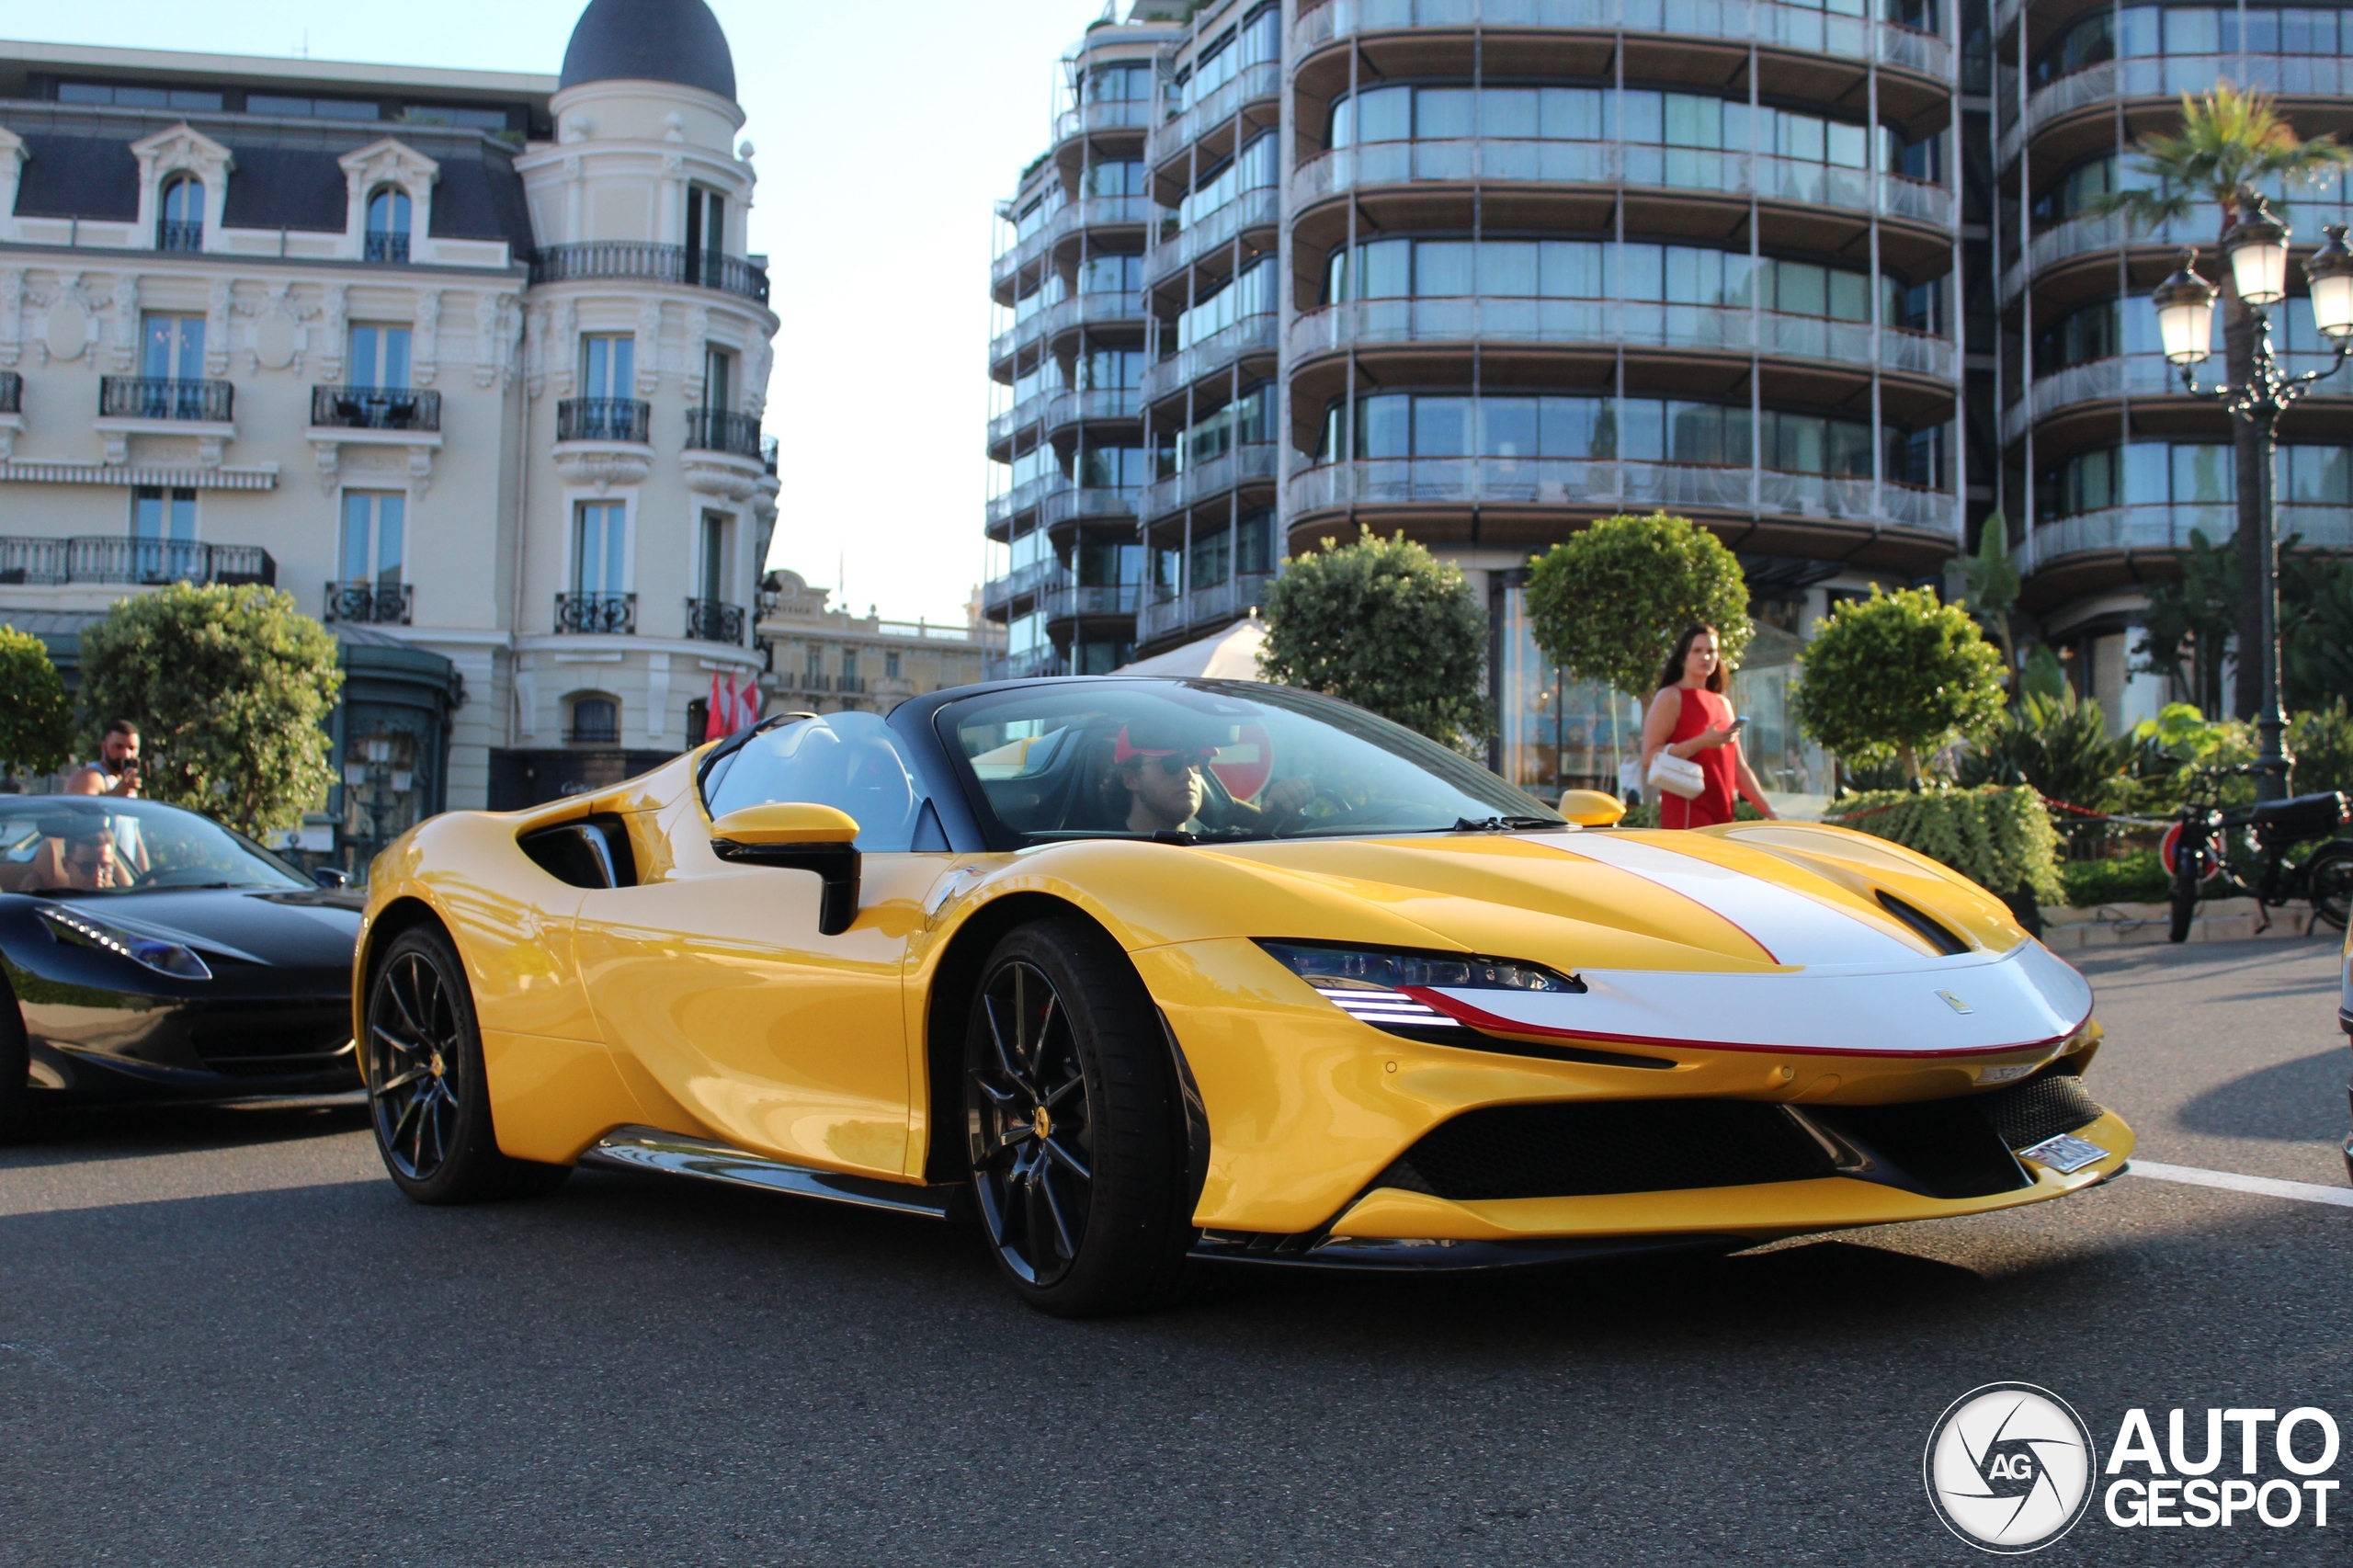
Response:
column 330, row 878
column 796, row 837
column 1591, row 808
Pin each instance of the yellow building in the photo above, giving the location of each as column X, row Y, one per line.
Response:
column 826, row 660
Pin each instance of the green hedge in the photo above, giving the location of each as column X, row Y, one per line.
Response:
column 2136, row 877
column 1999, row 838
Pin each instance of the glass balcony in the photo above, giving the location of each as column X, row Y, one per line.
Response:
column 2083, row 236
column 2171, row 75
column 366, row 602
column 147, row 397
column 1803, row 29
column 1020, row 584
column 720, row 430
column 1214, row 605
column 708, row 620
column 2126, row 375
column 624, row 419
column 602, row 260
column 1082, row 310
column 1092, row 213
column 1251, row 209
column 1761, row 494
column 115, row 558
column 1181, row 130
column 2169, row 527
column 1629, row 323
column 1086, row 504
column 375, row 408
column 595, row 613
column 1028, row 665
column 1073, row 602
column 1105, row 114
column 1251, row 334
column 1214, row 478
column 1025, row 496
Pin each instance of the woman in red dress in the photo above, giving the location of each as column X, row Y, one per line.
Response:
column 1689, row 718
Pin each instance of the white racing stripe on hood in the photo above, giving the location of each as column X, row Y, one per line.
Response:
column 2026, row 996
column 1794, row 928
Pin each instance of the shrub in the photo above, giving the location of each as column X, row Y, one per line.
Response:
column 2321, row 739
column 1608, row 603
column 229, row 687
column 2136, row 877
column 1386, row 625
column 1999, row 838
column 1898, row 673
column 36, row 726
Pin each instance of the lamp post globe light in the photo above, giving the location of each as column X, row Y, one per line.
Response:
column 2257, row 245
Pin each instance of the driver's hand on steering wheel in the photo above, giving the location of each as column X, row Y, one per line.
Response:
column 1287, row 797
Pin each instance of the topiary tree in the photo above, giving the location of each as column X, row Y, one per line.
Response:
column 1901, row 674
column 1608, row 603
column 36, row 725
column 1386, row 625
column 230, row 688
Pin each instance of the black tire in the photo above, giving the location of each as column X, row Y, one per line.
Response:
column 2189, row 869
column 2331, row 874
column 428, row 1099
column 1088, row 1215
column 16, row 1071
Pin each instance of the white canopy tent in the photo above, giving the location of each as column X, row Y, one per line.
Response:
column 1230, row 654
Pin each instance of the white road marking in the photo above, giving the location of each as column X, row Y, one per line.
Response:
column 2302, row 1191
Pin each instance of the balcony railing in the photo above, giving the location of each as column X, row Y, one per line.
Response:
column 363, row 603
column 1072, row 601
column 1025, row 665
column 849, row 682
column 113, row 558
column 2170, row 76
column 2126, row 376
column 178, row 236
column 1760, row 492
column 626, row 419
column 1019, row 583
column 12, row 393
column 1259, row 209
column 1219, row 602
column 375, row 408
column 1026, row 496
column 1255, row 461
column 1081, row 309
column 145, row 397
column 600, row 260
column 2154, row 527
column 1806, row 29
column 718, row 430
column 385, row 245
column 708, row 620
column 597, row 614
column 1251, row 334
column 1261, row 79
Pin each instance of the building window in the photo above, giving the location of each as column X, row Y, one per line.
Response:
column 375, row 536
column 718, row 379
column 712, row 566
column 380, row 357
column 388, row 221
column 891, row 665
column 850, row 665
column 172, row 350
column 607, row 366
column 162, row 535
column 706, row 235
column 181, row 225
column 596, row 720
column 600, row 547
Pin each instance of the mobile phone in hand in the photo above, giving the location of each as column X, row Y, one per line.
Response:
column 1740, row 723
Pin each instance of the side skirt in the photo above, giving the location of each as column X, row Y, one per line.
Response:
column 650, row 1149
column 1374, row 1254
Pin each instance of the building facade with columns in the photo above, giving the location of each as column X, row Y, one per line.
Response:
column 471, row 363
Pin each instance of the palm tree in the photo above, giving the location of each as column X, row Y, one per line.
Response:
column 2231, row 144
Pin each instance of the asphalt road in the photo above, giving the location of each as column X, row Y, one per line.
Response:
column 225, row 1339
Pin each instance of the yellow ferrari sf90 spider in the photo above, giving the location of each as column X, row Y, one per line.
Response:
column 1145, row 972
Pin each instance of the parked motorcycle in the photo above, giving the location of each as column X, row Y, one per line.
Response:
column 2249, row 850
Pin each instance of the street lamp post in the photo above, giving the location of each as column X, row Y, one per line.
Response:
column 2257, row 247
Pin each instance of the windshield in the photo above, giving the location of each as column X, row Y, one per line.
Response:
column 83, row 843
column 1212, row 761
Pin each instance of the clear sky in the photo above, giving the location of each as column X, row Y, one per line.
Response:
column 886, row 132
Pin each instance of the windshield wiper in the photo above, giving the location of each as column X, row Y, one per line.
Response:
column 1503, row 824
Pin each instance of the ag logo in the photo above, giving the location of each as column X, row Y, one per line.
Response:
column 2009, row 1468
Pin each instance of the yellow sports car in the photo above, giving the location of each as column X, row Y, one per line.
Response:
column 1145, row 972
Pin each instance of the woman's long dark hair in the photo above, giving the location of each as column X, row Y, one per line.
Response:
column 1672, row 674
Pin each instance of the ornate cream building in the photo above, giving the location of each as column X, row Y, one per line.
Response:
column 471, row 363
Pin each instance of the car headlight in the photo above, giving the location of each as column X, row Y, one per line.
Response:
column 148, row 952
column 1396, row 988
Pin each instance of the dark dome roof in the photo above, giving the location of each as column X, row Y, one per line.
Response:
column 650, row 40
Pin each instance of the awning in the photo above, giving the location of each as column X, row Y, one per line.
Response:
column 1230, row 654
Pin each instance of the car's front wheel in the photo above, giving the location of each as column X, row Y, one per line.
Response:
column 1075, row 1127
column 427, row 1093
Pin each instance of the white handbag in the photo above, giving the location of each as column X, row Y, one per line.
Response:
column 1677, row 776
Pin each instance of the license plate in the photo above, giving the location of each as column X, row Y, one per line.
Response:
column 2065, row 1154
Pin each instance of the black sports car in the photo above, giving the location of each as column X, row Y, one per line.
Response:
column 147, row 953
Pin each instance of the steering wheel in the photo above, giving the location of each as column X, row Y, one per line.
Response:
column 1345, row 815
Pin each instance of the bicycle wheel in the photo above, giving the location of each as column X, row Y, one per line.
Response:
column 2189, row 870
column 2329, row 875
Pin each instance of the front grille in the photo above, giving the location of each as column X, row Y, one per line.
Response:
column 264, row 1041
column 1586, row 1149
column 2025, row 1114
column 1949, row 1148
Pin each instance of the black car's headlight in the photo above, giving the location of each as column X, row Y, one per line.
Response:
column 149, row 952
column 1390, row 988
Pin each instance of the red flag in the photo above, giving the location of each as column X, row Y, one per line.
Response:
column 715, row 725
column 751, row 701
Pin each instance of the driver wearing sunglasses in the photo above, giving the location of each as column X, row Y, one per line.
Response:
column 1161, row 777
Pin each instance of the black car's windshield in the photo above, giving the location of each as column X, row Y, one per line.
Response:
column 100, row 843
column 1212, row 761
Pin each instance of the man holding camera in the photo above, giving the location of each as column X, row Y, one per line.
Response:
column 117, row 770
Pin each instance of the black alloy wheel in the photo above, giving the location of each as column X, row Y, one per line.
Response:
column 1074, row 1126
column 426, row 1095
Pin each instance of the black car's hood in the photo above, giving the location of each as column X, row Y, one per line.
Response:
column 287, row 928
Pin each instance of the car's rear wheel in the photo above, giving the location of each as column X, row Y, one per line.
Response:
column 1075, row 1128
column 16, row 1071
column 428, row 1096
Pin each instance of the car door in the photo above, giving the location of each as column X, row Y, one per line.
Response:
column 713, row 976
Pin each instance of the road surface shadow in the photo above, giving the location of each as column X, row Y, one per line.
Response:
column 2297, row 1102
column 73, row 1134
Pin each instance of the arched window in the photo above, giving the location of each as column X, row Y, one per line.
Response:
column 388, row 221
column 595, row 720
column 181, row 225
